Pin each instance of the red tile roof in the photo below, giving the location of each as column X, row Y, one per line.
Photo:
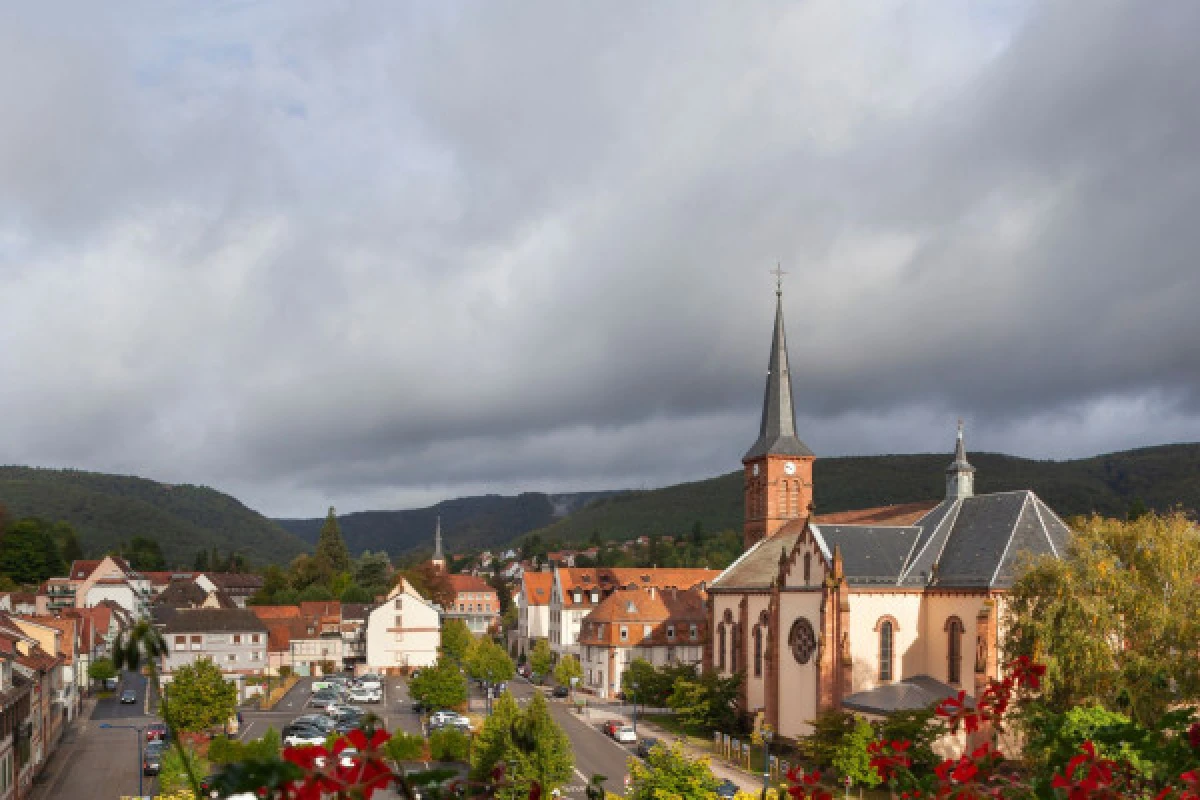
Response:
column 469, row 583
column 266, row 613
column 537, row 587
column 902, row 514
column 81, row 569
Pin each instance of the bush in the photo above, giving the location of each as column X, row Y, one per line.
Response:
column 405, row 747
column 449, row 744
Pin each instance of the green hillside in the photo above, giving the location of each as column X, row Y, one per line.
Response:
column 108, row 509
column 1161, row 477
column 467, row 522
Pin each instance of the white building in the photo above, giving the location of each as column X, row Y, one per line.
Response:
column 405, row 631
column 533, row 609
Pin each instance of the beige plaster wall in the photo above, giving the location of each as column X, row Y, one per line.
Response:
column 866, row 611
column 797, row 683
column 756, row 697
column 938, row 608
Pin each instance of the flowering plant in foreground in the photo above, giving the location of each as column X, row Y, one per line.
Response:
column 983, row 771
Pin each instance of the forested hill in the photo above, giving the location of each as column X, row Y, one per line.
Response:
column 1160, row 477
column 467, row 522
column 106, row 510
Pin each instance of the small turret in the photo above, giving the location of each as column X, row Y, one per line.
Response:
column 438, row 560
column 960, row 475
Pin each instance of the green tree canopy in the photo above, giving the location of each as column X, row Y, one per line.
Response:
column 29, row 552
column 456, row 640
column 331, row 554
column 550, row 760
column 708, row 702
column 851, row 758
column 102, row 669
column 655, row 684
column 669, row 774
column 567, row 668
column 488, row 661
column 497, row 742
column 373, row 570
column 441, row 686
column 144, row 553
column 199, row 697
column 355, row 594
column 540, row 658
column 68, row 542
column 1117, row 620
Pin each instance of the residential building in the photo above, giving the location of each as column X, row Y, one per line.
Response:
column 18, row 602
column 354, row 634
column 16, row 714
column 533, row 609
column 475, row 603
column 659, row 626
column 60, row 637
column 283, row 623
column 872, row 611
column 404, row 631
column 234, row 639
column 577, row 591
column 240, row 586
column 91, row 582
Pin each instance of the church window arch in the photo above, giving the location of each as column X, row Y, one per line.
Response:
column 721, row 648
column 954, row 636
column 807, row 568
column 735, row 655
column 758, row 651
column 886, row 627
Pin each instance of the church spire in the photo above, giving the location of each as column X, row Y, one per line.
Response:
column 777, row 431
column 960, row 475
column 439, row 560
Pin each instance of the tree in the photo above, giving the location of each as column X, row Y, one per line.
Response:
column 668, row 774
column 918, row 727
column 456, row 640
column 449, row 744
column 552, row 760
column 304, row 571
column 373, row 571
column 28, row 552
column 1117, row 619
column 708, row 702
column 432, row 583
column 568, row 667
column 355, row 594
column 851, row 758
column 503, row 592
column 316, row 593
column 497, row 740
column 144, row 553
column 102, row 669
column 829, row 729
column 201, row 563
column 540, row 659
column 331, row 554
column 200, row 697
column 487, row 661
column 441, row 686
column 274, row 582
column 655, row 684
column 68, row 542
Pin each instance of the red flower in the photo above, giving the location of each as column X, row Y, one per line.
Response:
column 1194, row 735
column 804, row 786
column 887, row 757
column 318, row 777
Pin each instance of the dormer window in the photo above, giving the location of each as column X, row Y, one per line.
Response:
column 579, row 597
column 692, row 632
column 624, row 633
column 595, row 597
column 671, row 633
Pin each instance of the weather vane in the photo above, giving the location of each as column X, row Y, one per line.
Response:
column 778, row 272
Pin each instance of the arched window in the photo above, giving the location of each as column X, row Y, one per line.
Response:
column 885, row 650
column 736, row 655
column 721, row 648
column 954, row 635
column 758, row 648
column 782, row 510
column 807, row 567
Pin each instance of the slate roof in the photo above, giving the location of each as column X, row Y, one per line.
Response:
column 203, row 620
column 969, row 542
column 910, row 694
column 777, row 431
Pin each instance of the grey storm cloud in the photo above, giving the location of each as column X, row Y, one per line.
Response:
column 379, row 255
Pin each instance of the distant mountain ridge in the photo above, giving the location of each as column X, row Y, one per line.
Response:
column 486, row 521
column 106, row 510
column 1161, row 477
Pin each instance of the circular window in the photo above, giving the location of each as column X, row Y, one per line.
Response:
column 802, row 640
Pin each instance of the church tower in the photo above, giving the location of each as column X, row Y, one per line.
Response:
column 778, row 468
column 438, row 560
column 960, row 475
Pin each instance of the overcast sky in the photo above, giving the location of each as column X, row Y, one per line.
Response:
column 379, row 254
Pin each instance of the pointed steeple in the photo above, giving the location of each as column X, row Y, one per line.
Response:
column 960, row 475
column 777, row 432
column 438, row 558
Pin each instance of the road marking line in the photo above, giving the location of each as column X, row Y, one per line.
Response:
column 581, row 776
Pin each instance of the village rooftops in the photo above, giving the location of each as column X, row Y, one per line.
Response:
column 537, row 586
column 202, row 620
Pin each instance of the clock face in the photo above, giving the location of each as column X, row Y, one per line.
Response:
column 802, row 640
column 754, row 469
column 790, row 468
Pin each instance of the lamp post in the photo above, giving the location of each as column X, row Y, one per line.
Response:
column 634, row 686
column 139, row 731
column 767, row 733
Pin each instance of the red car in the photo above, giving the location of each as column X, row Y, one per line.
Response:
column 156, row 731
column 610, row 727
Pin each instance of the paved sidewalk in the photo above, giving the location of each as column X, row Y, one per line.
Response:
column 46, row 782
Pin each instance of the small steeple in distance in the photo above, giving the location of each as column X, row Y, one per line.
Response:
column 778, row 466
column 439, row 559
column 960, row 475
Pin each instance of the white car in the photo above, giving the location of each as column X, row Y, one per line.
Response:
column 308, row 737
column 365, row 695
column 625, row 735
column 369, row 681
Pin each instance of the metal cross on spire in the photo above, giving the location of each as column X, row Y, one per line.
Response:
column 778, row 272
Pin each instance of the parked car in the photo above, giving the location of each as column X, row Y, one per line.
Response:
column 524, row 671
column 316, row 720
column 157, row 730
column 295, row 735
column 625, row 735
column 111, row 684
column 441, row 717
column 727, row 789
column 645, row 745
column 129, row 696
column 448, row 719
column 369, row 681
column 152, row 757
column 323, row 700
column 561, row 691
column 364, row 695
column 610, row 727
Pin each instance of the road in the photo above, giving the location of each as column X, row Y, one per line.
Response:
column 101, row 762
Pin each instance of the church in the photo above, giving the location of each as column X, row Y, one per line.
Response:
column 869, row 611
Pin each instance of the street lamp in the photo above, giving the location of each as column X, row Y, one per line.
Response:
column 633, row 685
column 139, row 731
column 767, row 733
